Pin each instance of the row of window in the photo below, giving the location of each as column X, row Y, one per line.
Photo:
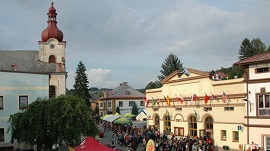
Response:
column 192, row 128
column 179, row 131
column 235, row 135
column 23, row 102
column 120, row 104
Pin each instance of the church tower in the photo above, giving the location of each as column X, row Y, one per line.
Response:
column 52, row 52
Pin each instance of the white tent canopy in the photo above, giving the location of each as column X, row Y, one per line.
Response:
column 111, row 118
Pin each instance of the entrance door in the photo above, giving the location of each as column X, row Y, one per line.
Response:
column 202, row 132
column 209, row 132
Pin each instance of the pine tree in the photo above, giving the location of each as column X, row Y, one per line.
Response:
column 134, row 109
column 171, row 64
column 118, row 109
column 81, row 83
column 245, row 50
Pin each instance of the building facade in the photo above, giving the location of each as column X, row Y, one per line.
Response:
column 17, row 91
column 257, row 117
column 27, row 75
column 123, row 97
column 196, row 105
column 50, row 58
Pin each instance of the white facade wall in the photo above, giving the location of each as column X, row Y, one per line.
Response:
column 126, row 108
column 259, row 131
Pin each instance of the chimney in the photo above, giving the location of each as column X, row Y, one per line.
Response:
column 14, row 67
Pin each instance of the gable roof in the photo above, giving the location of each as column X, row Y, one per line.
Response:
column 193, row 73
column 25, row 61
column 221, row 74
column 259, row 58
column 124, row 92
column 142, row 111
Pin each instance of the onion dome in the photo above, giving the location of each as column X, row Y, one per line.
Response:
column 52, row 31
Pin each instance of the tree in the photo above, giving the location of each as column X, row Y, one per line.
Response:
column 258, row 46
column 245, row 50
column 232, row 71
column 268, row 49
column 171, row 64
column 52, row 121
column 118, row 109
column 81, row 83
column 134, row 109
column 152, row 85
column 100, row 94
column 251, row 48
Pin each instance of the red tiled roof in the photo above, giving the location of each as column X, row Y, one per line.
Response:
column 221, row 74
column 260, row 58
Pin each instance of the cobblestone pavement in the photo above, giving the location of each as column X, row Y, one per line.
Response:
column 106, row 140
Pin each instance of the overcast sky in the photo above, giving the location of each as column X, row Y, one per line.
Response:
column 128, row 40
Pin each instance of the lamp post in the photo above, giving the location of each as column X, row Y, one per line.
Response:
column 246, row 100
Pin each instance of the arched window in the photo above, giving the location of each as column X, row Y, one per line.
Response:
column 192, row 126
column 167, row 123
column 52, row 91
column 208, row 123
column 52, row 59
column 156, row 121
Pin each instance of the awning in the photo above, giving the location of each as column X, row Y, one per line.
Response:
column 91, row 144
column 111, row 118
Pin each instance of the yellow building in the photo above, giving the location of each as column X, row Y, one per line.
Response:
column 217, row 108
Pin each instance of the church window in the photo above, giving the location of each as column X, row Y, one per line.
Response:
column 52, row 91
column 52, row 59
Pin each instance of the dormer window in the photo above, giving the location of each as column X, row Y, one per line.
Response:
column 262, row 70
column 52, row 59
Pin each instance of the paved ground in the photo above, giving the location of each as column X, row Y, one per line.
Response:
column 107, row 140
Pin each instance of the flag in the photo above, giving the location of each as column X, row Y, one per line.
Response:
column 195, row 97
column 153, row 101
column 206, row 98
column 191, row 99
column 224, row 97
column 167, row 113
column 181, row 99
column 145, row 100
column 196, row 114
column 158, row 100
column 185, row 71
column 213, row 97
column 168, row 100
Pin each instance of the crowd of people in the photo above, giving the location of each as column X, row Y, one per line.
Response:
column 130, row 137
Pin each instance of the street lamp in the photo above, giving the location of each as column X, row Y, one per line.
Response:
column 246, row 100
